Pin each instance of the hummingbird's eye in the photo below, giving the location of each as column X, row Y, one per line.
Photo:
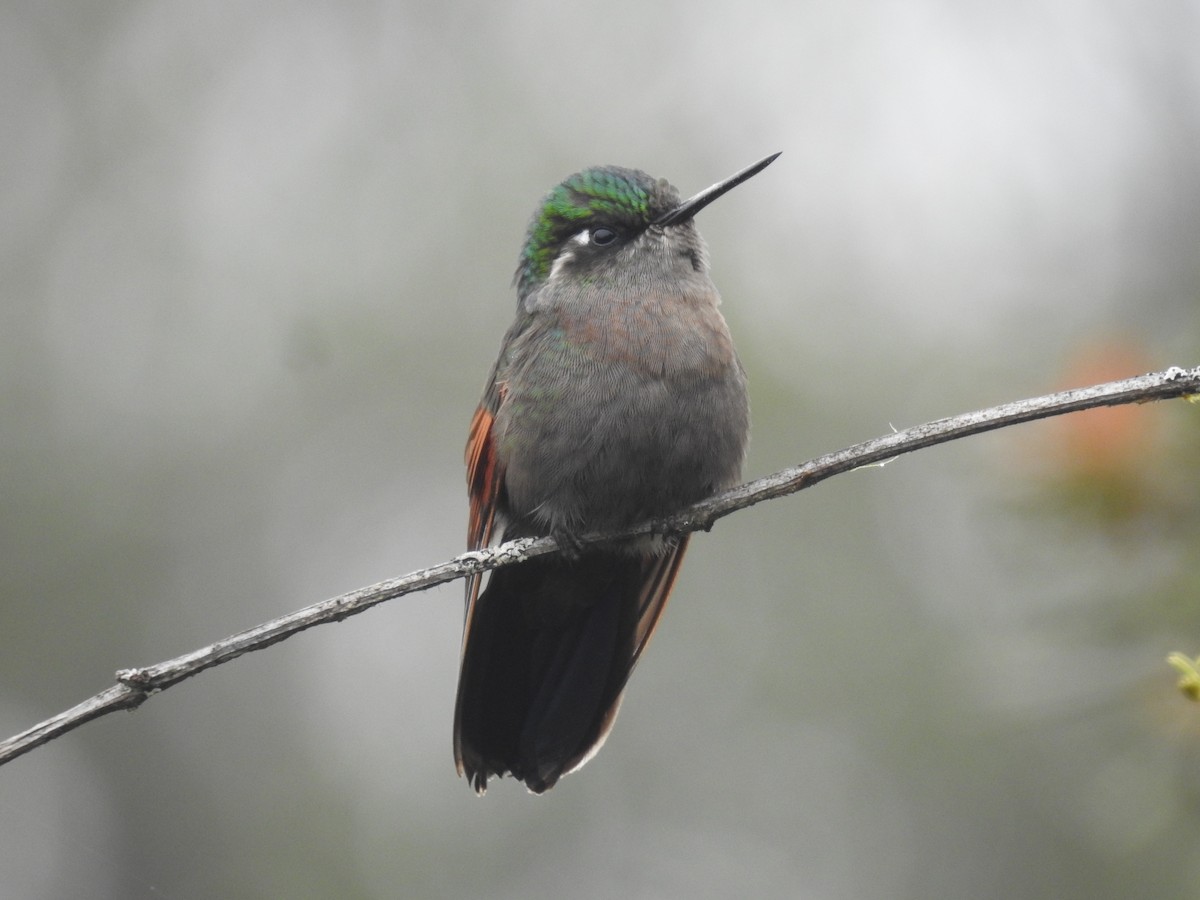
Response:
column 602, row 237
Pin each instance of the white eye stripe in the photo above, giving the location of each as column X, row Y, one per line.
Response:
column 564, row 256
column 567, row 253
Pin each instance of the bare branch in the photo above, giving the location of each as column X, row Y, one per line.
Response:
column 134, row 686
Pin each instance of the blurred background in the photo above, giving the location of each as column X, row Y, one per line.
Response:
column 256, row 264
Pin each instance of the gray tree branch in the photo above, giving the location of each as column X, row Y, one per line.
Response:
column 135, row 686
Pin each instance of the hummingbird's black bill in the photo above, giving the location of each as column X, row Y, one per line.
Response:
column 693, row 205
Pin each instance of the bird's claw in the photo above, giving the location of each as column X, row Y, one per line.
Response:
column 569, row 544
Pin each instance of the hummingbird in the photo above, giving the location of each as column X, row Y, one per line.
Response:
column 617, row 397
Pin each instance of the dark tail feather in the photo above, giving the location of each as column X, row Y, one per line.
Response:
column 549, row 647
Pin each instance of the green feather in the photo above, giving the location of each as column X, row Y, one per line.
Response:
column 624, row 197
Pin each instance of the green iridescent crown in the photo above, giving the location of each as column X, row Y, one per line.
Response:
column 609, row 195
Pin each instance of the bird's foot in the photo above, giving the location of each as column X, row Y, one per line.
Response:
column 569, row 544
column 670, row 533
